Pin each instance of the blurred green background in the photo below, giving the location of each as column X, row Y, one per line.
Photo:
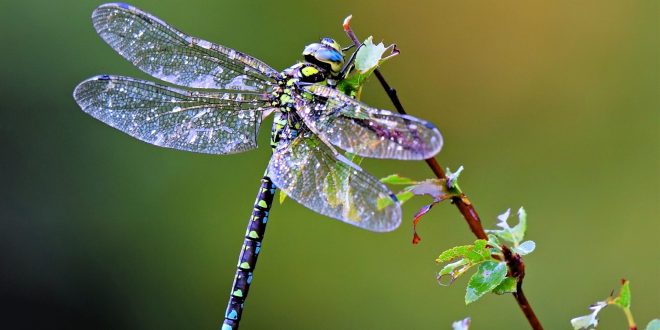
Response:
column 549, row 105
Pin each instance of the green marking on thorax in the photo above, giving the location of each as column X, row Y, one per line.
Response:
column 309, row 71
column 285, row 98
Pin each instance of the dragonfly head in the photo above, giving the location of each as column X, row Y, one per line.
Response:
column 327, row 53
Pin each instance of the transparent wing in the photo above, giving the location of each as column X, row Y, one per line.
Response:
column 312, row 174
column 214, row 123
column 366, row 131
column 170, row 55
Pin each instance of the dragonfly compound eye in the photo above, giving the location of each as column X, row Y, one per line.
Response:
column 332, row 44
column 325, row 55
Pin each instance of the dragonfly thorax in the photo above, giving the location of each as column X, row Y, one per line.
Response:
column 286, row 96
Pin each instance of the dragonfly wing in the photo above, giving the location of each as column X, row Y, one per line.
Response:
column 366, row 131
column 205, row 122
column 172, row 56
column 312, row 174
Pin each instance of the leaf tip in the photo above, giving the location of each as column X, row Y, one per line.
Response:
column 416, row 239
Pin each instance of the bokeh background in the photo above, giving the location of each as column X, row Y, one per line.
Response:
column 549, row 105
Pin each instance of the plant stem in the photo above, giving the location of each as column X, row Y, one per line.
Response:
column 514, row 261
column 517, row 269
column 629, row 317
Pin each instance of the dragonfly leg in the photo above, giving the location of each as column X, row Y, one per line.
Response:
column 349, row 65
column 247, row 260
column 345, row 49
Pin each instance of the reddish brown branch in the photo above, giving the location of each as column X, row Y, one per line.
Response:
column 517, row 268
column 514, row 261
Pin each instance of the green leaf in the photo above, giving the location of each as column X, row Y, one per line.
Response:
column 352, row 85
column 367, row 59
column 383, row 202
column 454, row 270
column 488, row 276
column 435, row 188
column 454, row 175
column 468, row 255
column 507, row 286
column 404, row 196
column 396, row 179
column 452, row 178
column 369, row 55
column 524, row 248
column 453, row 253
column 494, row 242
column 514, row 234
column 478, row 252
column 589, row 321
column 453, row 266
column 505, row 232
column 463, row 324
column 520, row 229
column 623, row 299
column 473, row 253
column 653, row 325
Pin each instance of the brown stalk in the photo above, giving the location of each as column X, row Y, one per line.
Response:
column 514, row 261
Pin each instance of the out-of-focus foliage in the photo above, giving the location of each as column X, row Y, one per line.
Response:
column 463, row 324
column 621, row 300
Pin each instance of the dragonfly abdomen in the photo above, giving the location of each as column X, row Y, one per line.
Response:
column 249, row 253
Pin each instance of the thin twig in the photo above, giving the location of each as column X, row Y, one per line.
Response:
column 514, row 261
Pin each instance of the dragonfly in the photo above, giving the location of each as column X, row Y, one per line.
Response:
column 222, row 97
